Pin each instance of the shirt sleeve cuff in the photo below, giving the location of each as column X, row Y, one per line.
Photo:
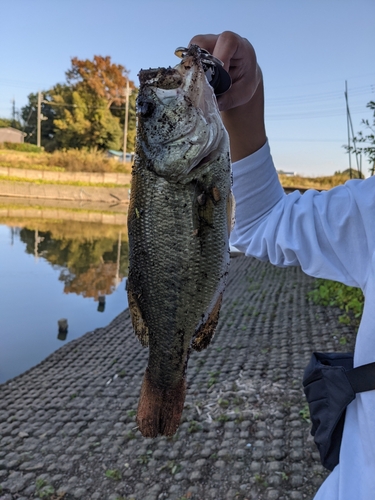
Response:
column 256, row 187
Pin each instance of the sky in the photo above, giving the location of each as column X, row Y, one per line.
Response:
column 307, row 50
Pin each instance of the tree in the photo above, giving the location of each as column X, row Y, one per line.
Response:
column 368, row 140
column 86, row 112
column 29, row 116
column 6, row 122
column 101, row 76
column 82, row 119
column 107, row 81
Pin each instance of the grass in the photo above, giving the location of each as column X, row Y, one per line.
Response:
column 71, row 160
column 325, row 182
column 11, row 178
column 349, row 299
column 113, row 474
column 43, row 489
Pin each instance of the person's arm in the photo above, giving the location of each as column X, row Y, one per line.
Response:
column 330, row 235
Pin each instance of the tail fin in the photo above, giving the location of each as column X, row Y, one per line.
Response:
column 159, row 411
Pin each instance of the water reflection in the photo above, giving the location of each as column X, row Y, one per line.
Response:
column 57, row 269
column 92, row 259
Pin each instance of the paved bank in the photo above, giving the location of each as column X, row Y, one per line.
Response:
column 34, row 191
column 68, row 427
column 50, row 176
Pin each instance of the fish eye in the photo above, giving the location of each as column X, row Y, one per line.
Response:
column 146, row 108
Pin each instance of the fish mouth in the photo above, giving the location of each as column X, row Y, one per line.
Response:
column 179, row 125
column 187, row 78
column 162, row 78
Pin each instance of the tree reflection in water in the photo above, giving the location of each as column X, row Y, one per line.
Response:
column 92, row 258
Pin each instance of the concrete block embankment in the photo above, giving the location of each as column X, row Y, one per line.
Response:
column 87, row 177
column 64, row 192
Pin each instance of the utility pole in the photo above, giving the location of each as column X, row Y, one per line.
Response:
column 348, row 129
column 39, row 120
column 349, row 124
column 13, row 112
column 126, row 120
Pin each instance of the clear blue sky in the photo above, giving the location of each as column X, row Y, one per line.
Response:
column 307, row 49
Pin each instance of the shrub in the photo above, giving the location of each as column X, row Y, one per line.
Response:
column 21, row 146
column 80, row 160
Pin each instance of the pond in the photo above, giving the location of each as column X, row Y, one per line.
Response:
column 57, row 264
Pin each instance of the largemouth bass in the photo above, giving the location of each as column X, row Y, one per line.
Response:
column 180, row 215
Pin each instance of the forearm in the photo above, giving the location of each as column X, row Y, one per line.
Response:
column 245, row 125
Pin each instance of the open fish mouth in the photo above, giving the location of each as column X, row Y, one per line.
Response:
column 177, row 108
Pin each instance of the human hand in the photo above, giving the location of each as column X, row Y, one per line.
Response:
column 242, row 105
column 239, row 59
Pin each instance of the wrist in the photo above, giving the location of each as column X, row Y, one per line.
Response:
column 245, row 126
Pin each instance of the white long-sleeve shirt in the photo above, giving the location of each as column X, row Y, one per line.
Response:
column 331, row 235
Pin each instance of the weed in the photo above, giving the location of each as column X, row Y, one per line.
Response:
column 240, row 418
column 114, row 474
column 259, row 479
column 224, row 403
column 222, row 418
column 213, row 378
column 348, row 299
column 43, row 489
column 172, row 466
column 194, row 427
column 132, row 413
column 145, row 458
column 305, row 413
column 188, row 496
column 122, row 374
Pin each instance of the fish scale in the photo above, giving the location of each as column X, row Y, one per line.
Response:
column 178, row 223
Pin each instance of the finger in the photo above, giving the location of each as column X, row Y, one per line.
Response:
column 226, row 47
column 206, row 42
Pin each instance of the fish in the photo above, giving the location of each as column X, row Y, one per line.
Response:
column 179, row 220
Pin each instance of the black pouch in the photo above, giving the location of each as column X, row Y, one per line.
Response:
column 330, row 384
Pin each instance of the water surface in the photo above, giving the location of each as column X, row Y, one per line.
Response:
column 53, row 269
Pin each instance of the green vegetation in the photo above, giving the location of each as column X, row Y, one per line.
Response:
column 23, row 147
column 194, row 427
column 114, row 474
column 365, row 142
column 66, row 160
column 172, row 466
column 305, row 413
column 349, row 299
column 86, row 111
column 327, row 182
column 145, row 458
column 43, row 489
column 213, row 378
column 11, row 178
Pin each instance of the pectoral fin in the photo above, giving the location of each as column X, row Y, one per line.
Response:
column 139, row 325
column 206, row 331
